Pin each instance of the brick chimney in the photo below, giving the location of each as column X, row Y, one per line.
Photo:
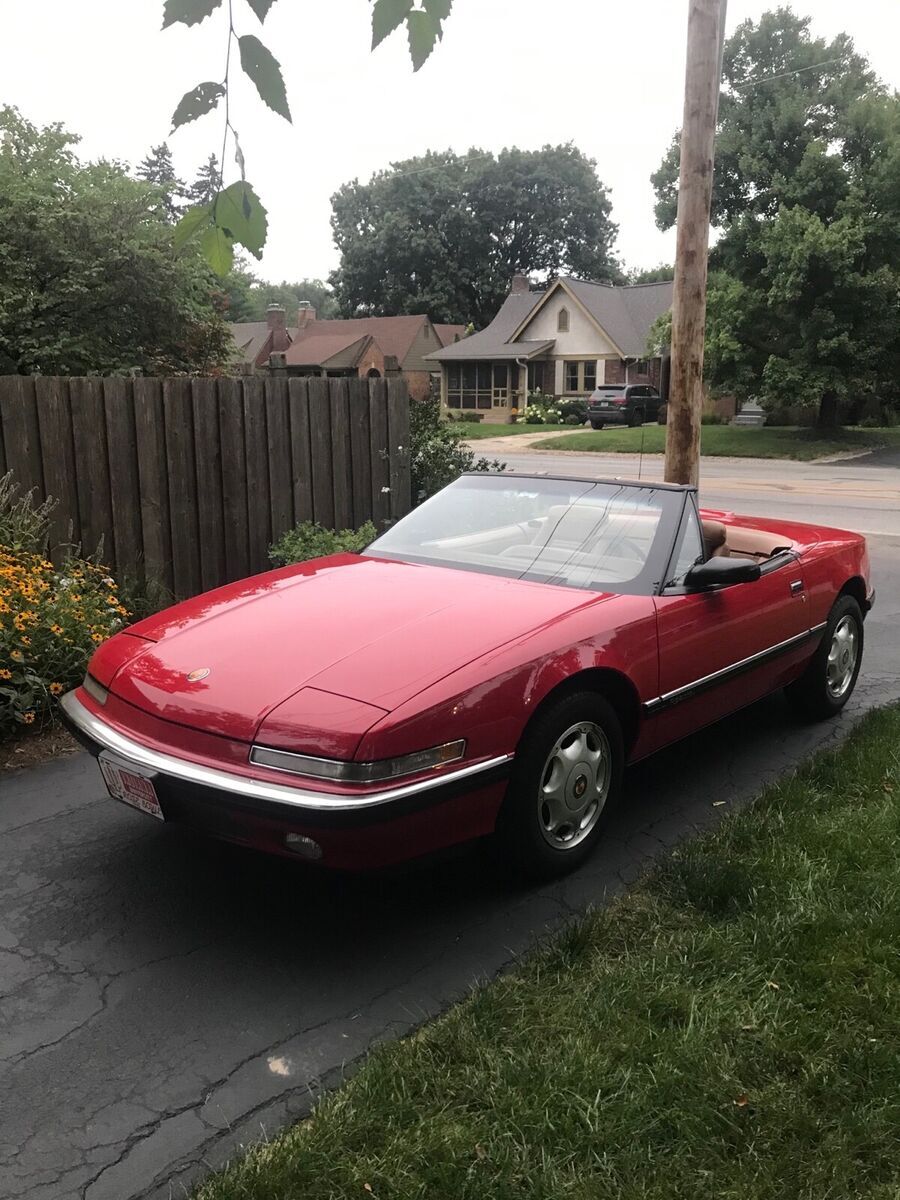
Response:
column 520, row 285
column 275, row 320
column 305, row 314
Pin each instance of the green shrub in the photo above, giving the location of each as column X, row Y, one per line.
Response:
column 573, row 412
column 712, row 418
column 51, row 618
column 309, row 540
column 437, row 452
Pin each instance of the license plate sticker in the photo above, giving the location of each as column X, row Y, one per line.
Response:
column 131, row 786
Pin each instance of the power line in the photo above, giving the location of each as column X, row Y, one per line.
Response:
column 784, row 74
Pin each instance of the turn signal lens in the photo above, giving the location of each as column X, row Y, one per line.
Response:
column 95, row 690
column 355, row 772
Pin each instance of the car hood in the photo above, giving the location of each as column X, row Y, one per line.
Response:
column 375, row 631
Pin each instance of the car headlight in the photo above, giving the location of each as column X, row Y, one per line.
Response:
column 358, row 772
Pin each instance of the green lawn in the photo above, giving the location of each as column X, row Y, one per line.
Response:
column 729, row 1028
column 730, row 441
column 473, row 430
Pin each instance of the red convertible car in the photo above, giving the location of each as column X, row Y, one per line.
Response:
column 488, row 665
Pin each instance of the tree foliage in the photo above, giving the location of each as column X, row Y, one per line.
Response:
column 249, row 297
column 803, row 302
column 89, row 280
column 444, row 233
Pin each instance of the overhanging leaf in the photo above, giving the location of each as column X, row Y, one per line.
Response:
column 188, row 12
column 190, row 224
column 438, row 10
column 197, row 103
column 261, row 7
column 264, row 70
column 424, row 31
column 217, row 248
column 388, row 15
column 240, row 214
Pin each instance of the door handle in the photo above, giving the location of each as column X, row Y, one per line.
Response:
column 796, row 587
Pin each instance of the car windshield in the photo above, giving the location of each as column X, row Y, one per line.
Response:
column 604, row 393
column 571, row 533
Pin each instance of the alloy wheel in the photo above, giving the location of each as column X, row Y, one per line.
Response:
column 574, row 785
column 842, row 656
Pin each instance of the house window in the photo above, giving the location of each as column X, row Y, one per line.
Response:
column 580, row 376
column 562, row 321
column 641, row 367
column 479, row 385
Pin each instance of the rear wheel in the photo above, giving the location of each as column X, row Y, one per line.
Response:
column 596, row 424
column 828, row 682
column 566, row 781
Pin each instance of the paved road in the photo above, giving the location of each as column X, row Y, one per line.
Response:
column 863, row 493
column 163, row 1000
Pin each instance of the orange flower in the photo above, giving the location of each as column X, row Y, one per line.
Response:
column 56, row 689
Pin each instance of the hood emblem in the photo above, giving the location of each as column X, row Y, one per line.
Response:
column 196, row 676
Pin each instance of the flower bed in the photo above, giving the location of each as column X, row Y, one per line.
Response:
column 51, row 618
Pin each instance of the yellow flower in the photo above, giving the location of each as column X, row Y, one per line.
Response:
column 56, row 629
column 28, row 718
column 4, row 674
column 56, row 689
column 17, row 656
column 97, row 637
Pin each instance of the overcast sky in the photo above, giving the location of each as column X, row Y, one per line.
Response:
column 605, row 74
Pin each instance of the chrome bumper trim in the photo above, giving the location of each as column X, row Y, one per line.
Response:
column 178, row 768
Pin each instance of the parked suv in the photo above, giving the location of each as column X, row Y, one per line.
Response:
column 623, row 404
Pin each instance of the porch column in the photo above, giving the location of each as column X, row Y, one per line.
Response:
column 522, row 392
column 443, row 388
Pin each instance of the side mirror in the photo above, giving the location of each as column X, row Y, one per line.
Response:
column 722, row 572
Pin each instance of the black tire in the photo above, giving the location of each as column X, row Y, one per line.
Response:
column 662, row 414
column 596, row 424
column 636, row 418
column 525, row 847
column 812, row 694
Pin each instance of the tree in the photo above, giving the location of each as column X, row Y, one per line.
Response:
column 316, row 291
column 206, row 184
column 784, row 92
column 157, row 168
column 657, row 274
column 803, row 305
column 89, row 281
column 445, row 233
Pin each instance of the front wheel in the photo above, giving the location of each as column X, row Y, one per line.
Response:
column 566, row 780
column 828, row 682
column 637, row 418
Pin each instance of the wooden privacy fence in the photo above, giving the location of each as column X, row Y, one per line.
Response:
column 188, row 481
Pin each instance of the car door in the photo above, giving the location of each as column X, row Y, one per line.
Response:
column 652, row 402
column 723, row 648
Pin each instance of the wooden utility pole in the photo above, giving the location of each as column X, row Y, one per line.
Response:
column 706, row 29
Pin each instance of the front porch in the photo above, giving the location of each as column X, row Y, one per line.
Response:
column 496, row 389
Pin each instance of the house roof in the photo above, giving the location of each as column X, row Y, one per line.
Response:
column 625, row 313
column 447, row 334
column 395, row 335
column 332, row 349
column 494, row 342
column 250, row 338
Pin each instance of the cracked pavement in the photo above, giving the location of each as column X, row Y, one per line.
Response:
column 164, row 999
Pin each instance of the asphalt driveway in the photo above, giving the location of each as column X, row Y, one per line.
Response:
column 163, row 999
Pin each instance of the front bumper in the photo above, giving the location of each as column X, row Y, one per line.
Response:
column 368, row 827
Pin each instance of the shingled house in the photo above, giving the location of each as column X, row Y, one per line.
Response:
column 362, row 346
column 563, row 340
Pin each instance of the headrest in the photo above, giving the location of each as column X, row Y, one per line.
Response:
column 714, row 534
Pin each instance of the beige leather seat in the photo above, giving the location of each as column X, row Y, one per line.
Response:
column 714, row 539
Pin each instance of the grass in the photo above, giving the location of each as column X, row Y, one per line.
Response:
column 475, row 430
column 731, row 441
column 730, row 1028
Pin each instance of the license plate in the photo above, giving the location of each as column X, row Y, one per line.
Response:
column 131, row 785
